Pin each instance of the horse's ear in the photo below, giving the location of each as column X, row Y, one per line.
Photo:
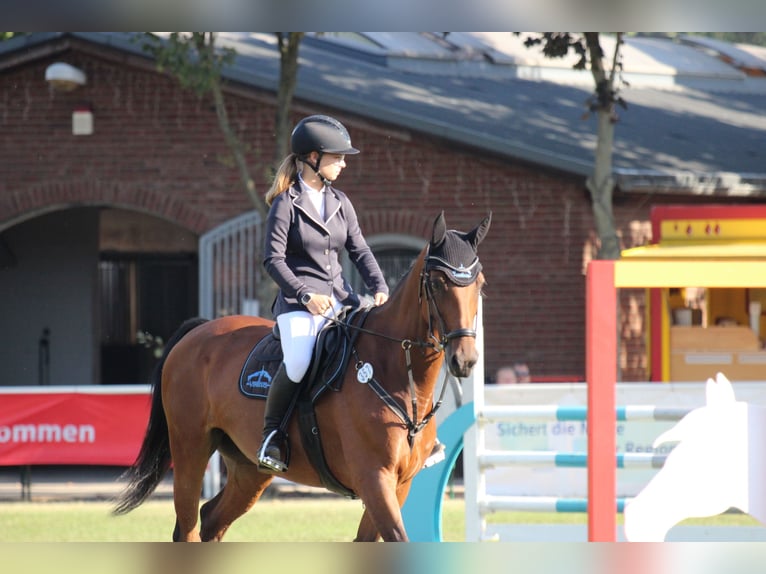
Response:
column 719, row 391
column 479, row 232
column 440, row 230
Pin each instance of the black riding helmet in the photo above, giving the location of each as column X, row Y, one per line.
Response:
column 322, row 134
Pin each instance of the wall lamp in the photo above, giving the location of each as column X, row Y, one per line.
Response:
column 64, row 77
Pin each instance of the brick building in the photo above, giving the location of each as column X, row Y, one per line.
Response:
column 99, row 233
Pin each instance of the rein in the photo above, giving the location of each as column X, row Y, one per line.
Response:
column 365, row 370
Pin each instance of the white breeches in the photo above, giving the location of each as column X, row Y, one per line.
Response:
column 298, row 332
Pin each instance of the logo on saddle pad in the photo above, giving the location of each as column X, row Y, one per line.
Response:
column 259, row 380
column 260, row 367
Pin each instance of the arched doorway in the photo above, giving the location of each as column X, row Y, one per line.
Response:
column 147, row 286
column 76, row 284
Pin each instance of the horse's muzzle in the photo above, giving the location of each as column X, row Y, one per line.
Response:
column 461, row 357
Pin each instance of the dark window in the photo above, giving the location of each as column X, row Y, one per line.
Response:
column 393, row 261
column 143, row 300
column 115, row 289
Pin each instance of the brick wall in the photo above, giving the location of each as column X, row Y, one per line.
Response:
column 157, row 148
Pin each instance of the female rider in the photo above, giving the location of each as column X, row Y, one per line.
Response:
column 309, row 224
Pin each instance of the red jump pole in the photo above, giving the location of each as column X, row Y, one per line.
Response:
column 601, row 375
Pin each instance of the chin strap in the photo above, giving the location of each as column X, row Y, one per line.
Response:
column 315, row 167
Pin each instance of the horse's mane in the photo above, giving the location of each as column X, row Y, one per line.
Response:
column 403, row 279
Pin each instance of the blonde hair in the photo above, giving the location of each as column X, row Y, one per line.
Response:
column 284, row 178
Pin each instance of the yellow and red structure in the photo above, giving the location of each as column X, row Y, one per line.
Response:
column 715, row 247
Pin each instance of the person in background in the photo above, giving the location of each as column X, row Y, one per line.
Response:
column 522, row 372
column 506, row 376
column 512, row 374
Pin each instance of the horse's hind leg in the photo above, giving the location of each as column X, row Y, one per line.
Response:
column 189, row 463
column 244, row 486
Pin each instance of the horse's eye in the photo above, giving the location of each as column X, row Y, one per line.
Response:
column 438, row 285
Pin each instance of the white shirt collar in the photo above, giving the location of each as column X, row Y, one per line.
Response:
column 316, row 196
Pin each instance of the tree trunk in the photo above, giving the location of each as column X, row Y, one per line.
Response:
column 601, row 187
column 601, row 183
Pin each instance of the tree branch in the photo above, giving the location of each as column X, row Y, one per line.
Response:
column 235, row 145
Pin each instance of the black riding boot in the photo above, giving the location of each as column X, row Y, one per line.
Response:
column 270, row 457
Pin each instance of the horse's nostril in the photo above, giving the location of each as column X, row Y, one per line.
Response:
column 461, row 368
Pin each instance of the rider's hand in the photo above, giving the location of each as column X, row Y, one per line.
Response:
column 380, row 298
column 319, row 304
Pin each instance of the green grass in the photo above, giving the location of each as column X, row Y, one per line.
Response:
column 288, row 520
column 302, row 519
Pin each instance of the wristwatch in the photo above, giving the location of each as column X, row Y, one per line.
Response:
column 305, row 298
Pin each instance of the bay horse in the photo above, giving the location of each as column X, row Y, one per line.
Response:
column 374, row 442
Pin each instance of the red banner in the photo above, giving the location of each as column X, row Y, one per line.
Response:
column 78, row 427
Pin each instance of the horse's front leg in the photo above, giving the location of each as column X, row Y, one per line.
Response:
column 382, row 515
column 366, row 531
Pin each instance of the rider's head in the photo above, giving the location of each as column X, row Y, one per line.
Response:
column 318, row 136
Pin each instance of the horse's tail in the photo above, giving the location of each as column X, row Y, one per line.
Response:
column 153, row 459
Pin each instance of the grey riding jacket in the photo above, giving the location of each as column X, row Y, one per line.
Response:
column 302, row 251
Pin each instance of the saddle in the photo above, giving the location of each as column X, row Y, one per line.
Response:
column 331, row 355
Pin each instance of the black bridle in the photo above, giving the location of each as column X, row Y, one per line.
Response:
column 425, row 287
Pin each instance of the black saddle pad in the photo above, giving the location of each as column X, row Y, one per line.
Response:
column 331, row 354
column 260, row 367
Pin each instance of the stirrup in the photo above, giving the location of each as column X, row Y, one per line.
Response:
column 266, row 463
column 437, row 455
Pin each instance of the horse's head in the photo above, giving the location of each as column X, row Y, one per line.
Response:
column 452, row 282
column 704, row 475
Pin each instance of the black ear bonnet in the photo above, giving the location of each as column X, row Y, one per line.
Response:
column 456, row 257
